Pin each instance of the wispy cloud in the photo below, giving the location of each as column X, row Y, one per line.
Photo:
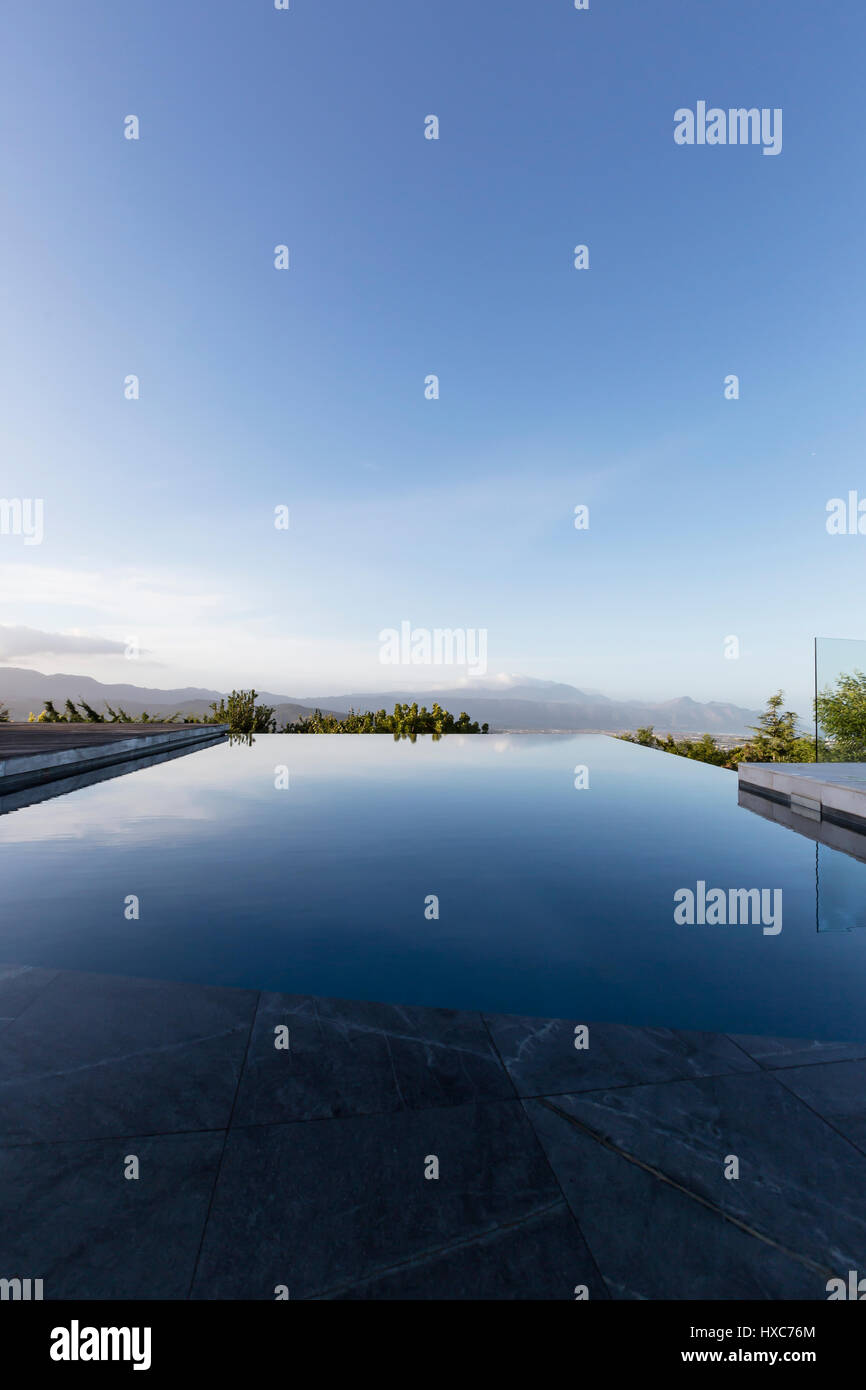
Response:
column 122, row 595
column 16, row 642
column 176, row 622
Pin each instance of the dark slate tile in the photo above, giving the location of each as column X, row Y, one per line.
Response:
column 324, row 1208
column 100, row 1055
column 347, row 1058
column 19, row 986
column 536, row 1259
column 542, row 1059
column 651, row 1240
column 68, row 1215
column 797, row 1052
column 837, row 1092
column 801, row 1185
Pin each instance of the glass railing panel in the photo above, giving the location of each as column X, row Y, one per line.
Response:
column 840, row 690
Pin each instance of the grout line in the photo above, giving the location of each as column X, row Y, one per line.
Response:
column 789, row 1090
column 475, row 1099
column 795, row 1066
column 38, row 995
column 638, row 1085
column 423, row 1257
column 745, row 1053
column 498, row 1056
column 241, row 1073
column 7, row 1145
column 686, row 1192
column 546, row 1159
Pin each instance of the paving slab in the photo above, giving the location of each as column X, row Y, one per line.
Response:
column 349, row 1058
column 534, row 1259
column 774, row 1053
column 19, row 986
column 650, row 1238
column 837, row 1092
column 70, row 1217
column 541, row 1058
column 344, row 1205
column 97, row 1055
column 314, row 1157
column 800, row 1189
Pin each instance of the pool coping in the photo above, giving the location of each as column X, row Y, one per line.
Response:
column 21, row 771
column 814, row 795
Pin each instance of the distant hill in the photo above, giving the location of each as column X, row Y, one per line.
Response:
column 533, row 705
column 23, row 691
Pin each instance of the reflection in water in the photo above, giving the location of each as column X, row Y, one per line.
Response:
column 557, row 901
column 840, row 881
column 61, row 786
column 839, row 891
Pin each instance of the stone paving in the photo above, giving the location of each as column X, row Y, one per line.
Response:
column 559, row 1169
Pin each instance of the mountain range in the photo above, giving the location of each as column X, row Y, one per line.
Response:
column 519, row 704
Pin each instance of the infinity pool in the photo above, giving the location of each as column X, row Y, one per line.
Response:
column 553, row 900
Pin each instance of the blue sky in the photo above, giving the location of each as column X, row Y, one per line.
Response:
column 410, row 257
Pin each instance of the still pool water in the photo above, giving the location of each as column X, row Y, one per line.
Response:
column 553, row 901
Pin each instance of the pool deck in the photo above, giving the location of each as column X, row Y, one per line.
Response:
column 834, row 792
column 304, row 1166
column 32, row 754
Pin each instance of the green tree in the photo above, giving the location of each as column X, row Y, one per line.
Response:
column 91, row 714
column 87, row 715
column 704, row 749
column 841, row 714
column 406, row 721
column 242, row 714
column 777, row 739
column 119, row 715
